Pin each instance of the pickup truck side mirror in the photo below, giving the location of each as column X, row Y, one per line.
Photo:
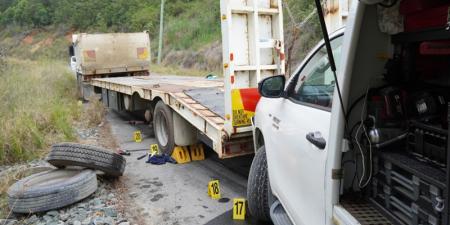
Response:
column 272, row 87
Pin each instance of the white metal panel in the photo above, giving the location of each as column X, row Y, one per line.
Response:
column 265, row 35
column 239, row 39
column 226, row 23
column 348, row 54
column 253, row 47
column 268, row 3
column 267, row 73
column 264, row 4
column 237, row 3
column 242, row 79
column 336, row 13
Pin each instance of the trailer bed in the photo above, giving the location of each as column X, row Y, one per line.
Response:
column 212, row 98
column 205, row 96
column 200, row 101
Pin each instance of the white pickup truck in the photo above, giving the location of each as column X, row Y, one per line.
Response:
column 372, row 146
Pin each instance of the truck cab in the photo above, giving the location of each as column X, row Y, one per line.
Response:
column 375, row 150
column 73, row 64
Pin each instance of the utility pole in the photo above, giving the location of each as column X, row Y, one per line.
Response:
column 161, row 29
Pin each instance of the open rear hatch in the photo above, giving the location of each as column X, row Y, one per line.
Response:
column 397, row 169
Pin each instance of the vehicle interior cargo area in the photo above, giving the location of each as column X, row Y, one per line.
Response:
column 398, row 126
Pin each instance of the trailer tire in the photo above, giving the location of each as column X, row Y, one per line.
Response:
column 163, row 128
column 51, row 190
column 88, row 156
column 80, row 86
column 259, row 194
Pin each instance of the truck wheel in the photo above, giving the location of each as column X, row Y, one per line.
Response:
column 80, row 86
column 163, row 127
column 89, row 156
column 51, row 190
column 259, row 194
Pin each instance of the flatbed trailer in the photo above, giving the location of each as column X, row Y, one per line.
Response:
column 185, row 110
column 197, row 100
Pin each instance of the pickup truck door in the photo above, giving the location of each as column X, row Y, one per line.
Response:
column 297, row 147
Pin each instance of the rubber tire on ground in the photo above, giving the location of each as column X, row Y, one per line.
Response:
column 51, row 190
column 162, row 110
column 259, row 194
column 88, row 156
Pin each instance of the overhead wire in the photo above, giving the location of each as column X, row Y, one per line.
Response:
column 295, row 32
column 292, row 18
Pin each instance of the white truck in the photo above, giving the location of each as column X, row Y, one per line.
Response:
column 108, row 55
column 218, row 112
column 366, row 142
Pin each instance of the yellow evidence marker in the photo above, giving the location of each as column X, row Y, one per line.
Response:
column 239, row 209
column 137, row 136
column 214, row 189
column 154, row 149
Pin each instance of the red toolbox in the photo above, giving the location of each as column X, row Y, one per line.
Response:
column 428, row 18
column 412, row 6
column 435, row 48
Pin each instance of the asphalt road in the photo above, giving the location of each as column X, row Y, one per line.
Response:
column 177, row 193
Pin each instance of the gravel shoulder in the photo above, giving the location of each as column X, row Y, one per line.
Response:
column 147, row 194
column 104, row 207
column 172, row 193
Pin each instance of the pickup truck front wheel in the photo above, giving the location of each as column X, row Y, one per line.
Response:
column 259, row 194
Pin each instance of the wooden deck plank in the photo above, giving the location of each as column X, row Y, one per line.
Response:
column 198, row 106
column 175, row 85
column 190, row 101
column 217, row 120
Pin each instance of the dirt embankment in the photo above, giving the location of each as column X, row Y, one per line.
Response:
column 209, row 58
column 52, row 43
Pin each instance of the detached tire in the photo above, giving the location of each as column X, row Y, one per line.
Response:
column 51, row 190
column 163, row 127
column 259, row 194
column 88, row 156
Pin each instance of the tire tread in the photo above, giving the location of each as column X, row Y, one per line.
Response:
column 89, row 156
column 23, row 198
column 258, row 187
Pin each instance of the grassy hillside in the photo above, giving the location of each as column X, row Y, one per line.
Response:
column 185, row 27
column 37, row 91
column 37, row 28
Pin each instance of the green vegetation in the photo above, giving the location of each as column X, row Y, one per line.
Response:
column 37, row 92
column 189, row 23
column 157, row 69
column 38, row 108
column 302, row 31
